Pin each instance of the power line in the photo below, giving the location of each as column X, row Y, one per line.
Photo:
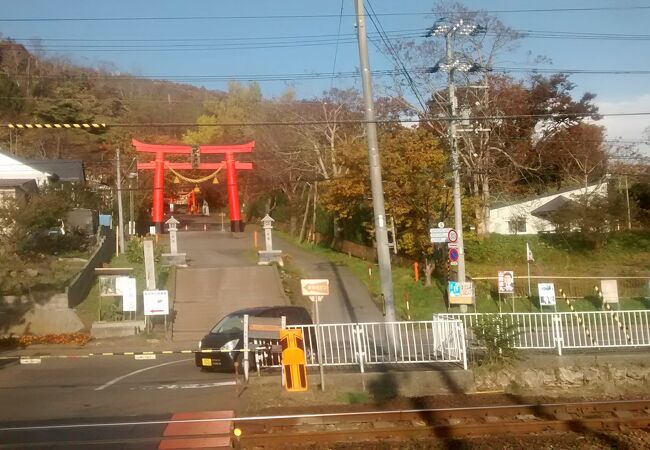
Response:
column 322, row 75
column 401, row 33
column 395, row 56
column 360, row 121
column 336, row 50
column 315, row 16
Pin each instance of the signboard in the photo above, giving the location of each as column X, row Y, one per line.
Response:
column 453, row 255
column 461, row 293
column 129, row 294
column 439, row 235
column 315, row 287
column 156, row 303
column 546, row 294
column 506, row 282
column 452, row 236
column 265, row 327
column 609, row 288
column 111, row 285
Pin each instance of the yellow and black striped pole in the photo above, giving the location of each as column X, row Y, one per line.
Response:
column 621, row 325
column 56, row 126
column 580, row 321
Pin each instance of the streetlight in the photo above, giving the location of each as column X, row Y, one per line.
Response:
column 451, row 64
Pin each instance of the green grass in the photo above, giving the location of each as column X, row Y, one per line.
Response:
column 626, row 254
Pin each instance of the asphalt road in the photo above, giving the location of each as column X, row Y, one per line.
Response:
column 111, row 386
column 105, row 390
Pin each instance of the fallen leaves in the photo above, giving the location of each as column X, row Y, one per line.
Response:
column 31, row 339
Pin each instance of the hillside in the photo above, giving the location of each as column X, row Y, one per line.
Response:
column 36, row 89
column 623, row 254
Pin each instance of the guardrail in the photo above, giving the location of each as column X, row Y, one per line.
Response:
column 441, row 340
column 570, row 330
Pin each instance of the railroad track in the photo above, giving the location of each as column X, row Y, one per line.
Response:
column 448, row 423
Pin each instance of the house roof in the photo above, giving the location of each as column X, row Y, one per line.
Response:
column 503, row 203
column 553, row 206
column 24, row 184
column 69, row 170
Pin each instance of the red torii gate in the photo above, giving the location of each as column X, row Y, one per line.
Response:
column 159, row 164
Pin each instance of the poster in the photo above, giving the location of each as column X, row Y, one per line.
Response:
column 546, row 294
column 111, row 285
column 156, row 303
column 129, row 294
column 506, row 282
column 461, row 293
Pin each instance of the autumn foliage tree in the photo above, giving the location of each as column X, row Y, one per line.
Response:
column 413, row 171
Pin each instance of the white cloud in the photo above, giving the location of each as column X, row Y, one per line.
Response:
column 625, row 127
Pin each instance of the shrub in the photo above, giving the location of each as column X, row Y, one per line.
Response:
column 497, row 336
column 135, row 250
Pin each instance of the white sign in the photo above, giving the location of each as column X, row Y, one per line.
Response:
column 129, row 294
column 315, row 287
column 156, row 303
column 439, row 235
column 546, row 294
column 506, row 282
column 609, row 288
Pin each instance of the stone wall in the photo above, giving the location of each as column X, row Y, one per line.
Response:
column 78, row 289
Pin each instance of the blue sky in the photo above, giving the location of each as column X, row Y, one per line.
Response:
column 216, row 25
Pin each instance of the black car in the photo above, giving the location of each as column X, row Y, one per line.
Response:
column 227, row 336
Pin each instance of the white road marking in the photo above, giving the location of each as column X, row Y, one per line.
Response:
column 184, row 386
column 135, row 372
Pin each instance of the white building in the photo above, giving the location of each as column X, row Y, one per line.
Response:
column 528, row 216
column 20, row 178
column 14, row 169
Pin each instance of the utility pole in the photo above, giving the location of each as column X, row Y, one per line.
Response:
column 120, row 215
column 455, row 160
column 627, row 197
column 450, row 64
column 381, row 234
column 131, row 208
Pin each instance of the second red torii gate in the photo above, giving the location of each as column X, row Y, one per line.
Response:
column 159, row 164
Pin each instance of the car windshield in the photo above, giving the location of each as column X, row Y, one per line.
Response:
column 229, row 324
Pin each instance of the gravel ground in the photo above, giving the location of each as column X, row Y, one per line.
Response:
column 629, row 440
column 624, row 439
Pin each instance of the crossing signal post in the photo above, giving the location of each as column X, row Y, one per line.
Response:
column 294, row 362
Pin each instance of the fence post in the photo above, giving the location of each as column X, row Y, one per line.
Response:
column 358, row 331
column 463, row 347
column 246, row 367
column 558, row 333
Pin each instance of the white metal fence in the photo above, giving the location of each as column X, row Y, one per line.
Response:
column 441, row 340
column 570, row 330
